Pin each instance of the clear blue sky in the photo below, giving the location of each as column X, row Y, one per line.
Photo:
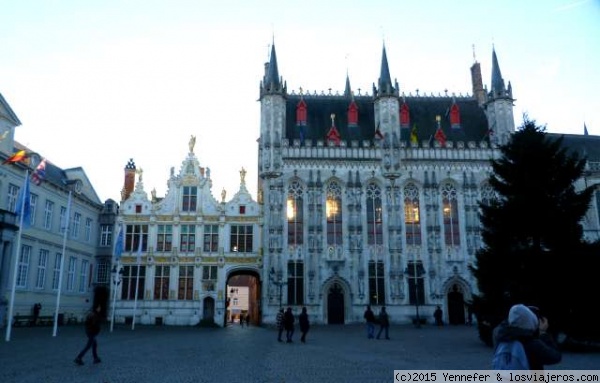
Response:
column 98, row 82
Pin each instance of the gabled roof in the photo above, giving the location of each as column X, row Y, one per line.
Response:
column 7, row 113
column 423, row 112
column 585, row 146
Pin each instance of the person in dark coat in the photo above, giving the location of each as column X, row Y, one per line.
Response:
column 279, row 322
column 92, row 329
column 288, row 324
column 370, row 318
column 304, row 324
column 523, row 325
column 384, row 323
column 36, row 313
column 437, row 315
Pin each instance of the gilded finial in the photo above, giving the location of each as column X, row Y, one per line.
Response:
column 301, row 90
column 332, row 119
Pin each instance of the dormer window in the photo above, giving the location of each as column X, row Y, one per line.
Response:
column 242, row 209
column 301, row 113
column 138, row 209
column 353, row 114
column 454, row 117
column 404, row 116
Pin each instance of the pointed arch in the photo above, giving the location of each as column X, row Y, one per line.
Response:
column 450, row 213
column 374, row 214
column 334, row 213
column 295, row 212
column 412, row 214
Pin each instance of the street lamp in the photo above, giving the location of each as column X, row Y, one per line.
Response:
column 117, row 277
column 277, row 282
column 416, row 275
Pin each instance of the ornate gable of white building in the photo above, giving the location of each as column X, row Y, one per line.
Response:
column 242, row 203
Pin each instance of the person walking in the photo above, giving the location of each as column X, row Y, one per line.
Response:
column 279, row 322
column 370, row 318
column 288, row 324
column 437, row 315
column 304, row 324
column 36, row 313
column 384, row 323
column 92, row 329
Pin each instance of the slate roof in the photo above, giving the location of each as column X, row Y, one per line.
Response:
column 585, row 145
column 423, row 112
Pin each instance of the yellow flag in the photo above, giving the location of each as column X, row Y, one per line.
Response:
column 413, row 134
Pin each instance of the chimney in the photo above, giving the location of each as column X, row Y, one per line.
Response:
column 129, row 183
column 477, row 82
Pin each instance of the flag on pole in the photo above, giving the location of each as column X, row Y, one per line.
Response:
column 19, row 156
column 119, row 243
column 413, row 134
column 39, row 174
column 24, row 204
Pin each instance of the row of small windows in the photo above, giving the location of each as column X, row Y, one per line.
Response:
column 374, row 214
column 75, row 221
column 241, row 238
column 46, row 270
column 189, row 201
column 134, row 280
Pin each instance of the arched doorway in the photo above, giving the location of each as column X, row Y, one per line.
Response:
column 243, row 297
column 208, row 309
column 335, row 304
column 456, row 305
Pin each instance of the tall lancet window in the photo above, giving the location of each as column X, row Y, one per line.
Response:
column 450, row 212
column 295, row 215
column 412, row 215
column 333, row 212
column 374, row 215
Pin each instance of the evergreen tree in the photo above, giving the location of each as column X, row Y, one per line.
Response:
column 532, row 235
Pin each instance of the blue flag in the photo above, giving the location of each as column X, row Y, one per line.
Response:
column 24, row 204
column 119, row 243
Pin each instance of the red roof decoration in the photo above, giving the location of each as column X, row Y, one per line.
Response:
column 404, row 116
column 454, row 117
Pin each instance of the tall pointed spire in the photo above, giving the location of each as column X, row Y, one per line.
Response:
column 272, row 83
column 585, row 131
column 347, row 89
column 385, row 80
column 272, row 77
column 497, row 80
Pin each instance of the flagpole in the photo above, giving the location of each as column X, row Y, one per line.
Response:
column 116, row 281
column 62, row 264
column 16, row 267
column 137, row 280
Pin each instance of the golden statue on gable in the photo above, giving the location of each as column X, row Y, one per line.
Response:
column 192, row 143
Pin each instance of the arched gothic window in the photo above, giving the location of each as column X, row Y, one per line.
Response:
column 374, row 215
column 295, row 215
column 412, row 215
column 450, row 214
column 333, row 212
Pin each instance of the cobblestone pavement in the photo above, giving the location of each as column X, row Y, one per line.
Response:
column 236, row 354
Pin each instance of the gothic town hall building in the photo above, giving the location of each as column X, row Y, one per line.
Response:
column 363, row 199
column 372, row 199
